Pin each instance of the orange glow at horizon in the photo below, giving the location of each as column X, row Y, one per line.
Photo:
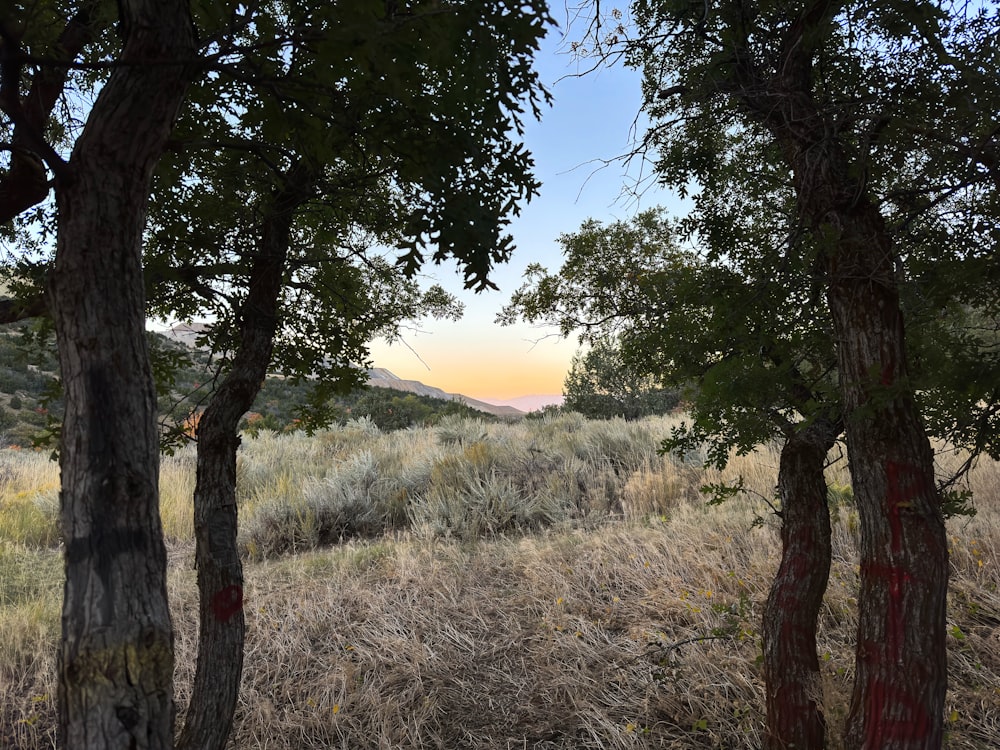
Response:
column 494, row 367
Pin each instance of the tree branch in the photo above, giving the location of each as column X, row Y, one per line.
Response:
column 25, row 184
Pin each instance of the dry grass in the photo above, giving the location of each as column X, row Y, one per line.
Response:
column 598, row 632
column 29, row 498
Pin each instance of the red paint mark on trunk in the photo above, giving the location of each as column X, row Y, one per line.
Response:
column 227, row 602
column 905, row 486
column 891, row 573
column 887, row 374
column 905, row 483
column 895, row 578
column 902, row 486
column 894, row 715
column 881, row 727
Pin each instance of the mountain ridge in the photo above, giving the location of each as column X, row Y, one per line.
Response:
column 534, row 402
column 380, row 377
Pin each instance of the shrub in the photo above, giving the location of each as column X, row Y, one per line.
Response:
column 485, row 506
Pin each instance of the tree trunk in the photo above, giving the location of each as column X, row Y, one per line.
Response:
column 116, row 656
column 899, row 691
column 901, row 680
column 791, row 669
column 220, row 572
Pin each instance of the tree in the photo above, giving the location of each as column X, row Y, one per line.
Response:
column 852, row 106
column 791, row 77
column 444, row 172
column 748, row 330
column 744, row 342
column 349, row 307
column 116, row 654
column 361, row 127
column 600, row 386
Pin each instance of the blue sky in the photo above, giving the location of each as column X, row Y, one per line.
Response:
column 592, row 119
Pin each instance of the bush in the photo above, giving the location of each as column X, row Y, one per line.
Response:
column 485, row 506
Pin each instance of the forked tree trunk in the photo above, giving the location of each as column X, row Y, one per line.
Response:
column 899, row 690
column 795, row 716
column 116, row 655
column 220, row 571
column 901, row 679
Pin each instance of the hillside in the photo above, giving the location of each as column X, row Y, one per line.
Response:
column 30, row 405
column 28, row 390
column 379, row 377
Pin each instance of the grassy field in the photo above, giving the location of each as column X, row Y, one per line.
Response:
column 549, row 584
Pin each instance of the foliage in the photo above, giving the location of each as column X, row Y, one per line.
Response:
column 390, row 410
column 314, row 132
column 393, row 126
column 275, row 408
column 600, row 386
column 739, row 334
column 730, row 298
column 184, row 379
column 402, row 117
column 815, row 117
column 908, row 97
column 460, row 478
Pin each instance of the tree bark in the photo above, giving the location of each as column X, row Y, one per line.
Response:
column 116, row 656
column 791, row 668
column 220, row 571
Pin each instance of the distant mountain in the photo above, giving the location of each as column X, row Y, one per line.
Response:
column 529, row 403
column 186, row 333
column 379, row 377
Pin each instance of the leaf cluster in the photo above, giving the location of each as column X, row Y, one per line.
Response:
column 400, row 122
column 735, row 332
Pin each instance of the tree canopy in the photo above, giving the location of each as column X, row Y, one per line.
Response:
column 743, row 339
column 601, row 386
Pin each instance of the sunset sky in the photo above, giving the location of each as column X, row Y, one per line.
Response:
column 591, row 120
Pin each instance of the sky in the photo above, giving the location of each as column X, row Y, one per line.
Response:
column 591, row 120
